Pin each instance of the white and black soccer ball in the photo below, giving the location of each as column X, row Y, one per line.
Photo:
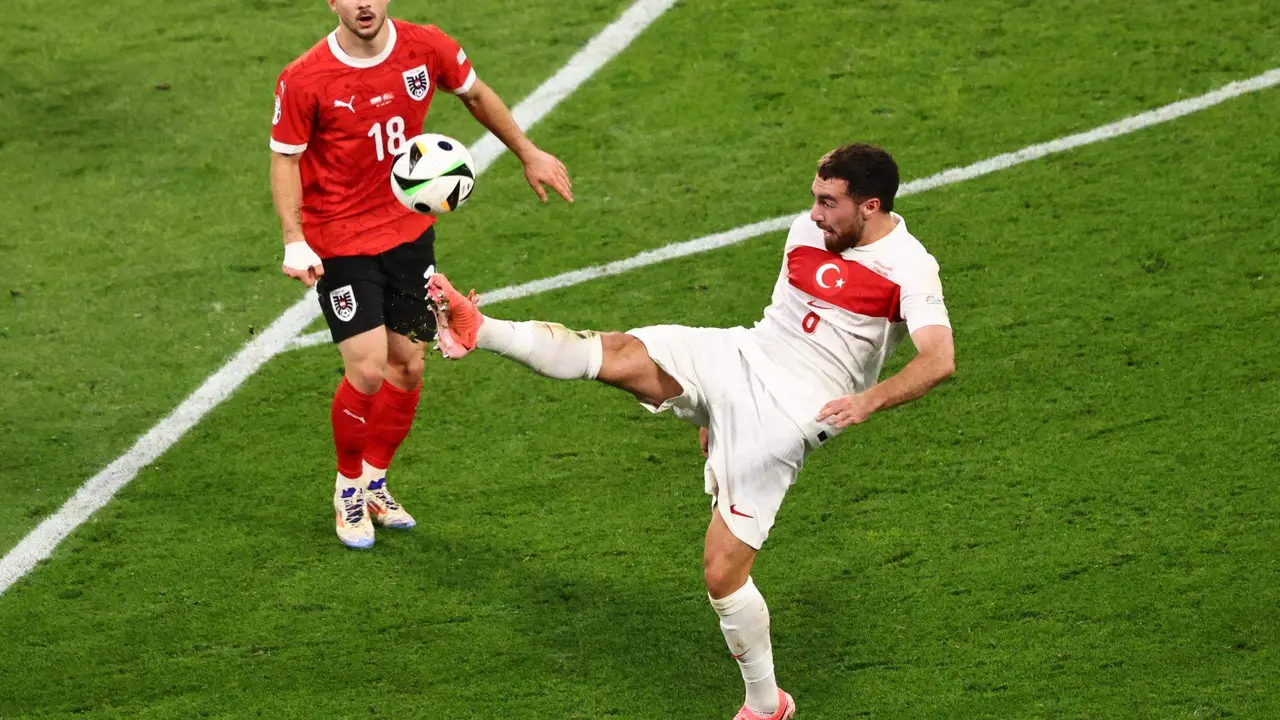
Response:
column 434, row 175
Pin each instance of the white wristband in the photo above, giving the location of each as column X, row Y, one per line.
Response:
column 298, row 255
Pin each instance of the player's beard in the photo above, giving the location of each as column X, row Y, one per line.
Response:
column 849, row 239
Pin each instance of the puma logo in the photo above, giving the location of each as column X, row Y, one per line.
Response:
column 350, row 104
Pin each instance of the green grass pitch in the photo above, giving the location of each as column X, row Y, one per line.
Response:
column 1081, row 524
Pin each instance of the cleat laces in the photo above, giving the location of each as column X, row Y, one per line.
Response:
column 378, row 489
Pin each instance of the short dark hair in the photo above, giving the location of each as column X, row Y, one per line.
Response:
column 869, row 171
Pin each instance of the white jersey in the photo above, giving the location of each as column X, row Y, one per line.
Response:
column 836, row 318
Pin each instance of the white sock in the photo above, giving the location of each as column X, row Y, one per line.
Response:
column 343, row 482
column 744, row 620
column 371, row 474
column 548, row 348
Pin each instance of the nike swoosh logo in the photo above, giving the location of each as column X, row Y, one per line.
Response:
column 819, row 306
column 733, row 510
column 348, row 412
column 738, row 656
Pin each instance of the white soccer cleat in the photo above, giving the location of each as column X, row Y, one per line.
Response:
column 384, row 510
column 351, row 517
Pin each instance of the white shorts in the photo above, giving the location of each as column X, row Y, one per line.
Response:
column 756, row 450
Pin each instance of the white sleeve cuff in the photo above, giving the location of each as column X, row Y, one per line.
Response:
column 466, row 84
column 284, row 149
column 925, row 319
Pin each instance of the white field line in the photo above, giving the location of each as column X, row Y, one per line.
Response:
column 600, row 50
column 99, row 489
column 946, row 177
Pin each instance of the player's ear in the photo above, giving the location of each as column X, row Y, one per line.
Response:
column 870, row 207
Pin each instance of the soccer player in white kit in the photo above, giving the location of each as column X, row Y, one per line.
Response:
column 854, row 281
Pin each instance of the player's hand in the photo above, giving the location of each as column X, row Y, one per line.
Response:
column 704, row 439
column 301, row 262
column 543, row 168
column 848, row 410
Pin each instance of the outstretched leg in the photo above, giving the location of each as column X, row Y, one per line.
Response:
column 549, row 349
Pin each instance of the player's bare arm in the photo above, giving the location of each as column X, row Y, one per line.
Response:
column 933, row 363
column 540, row 168
column 300, row 261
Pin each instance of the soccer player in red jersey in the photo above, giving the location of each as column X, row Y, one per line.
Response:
column 343, row 110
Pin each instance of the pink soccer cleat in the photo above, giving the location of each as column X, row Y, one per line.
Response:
column 786, row 710
column 457, row 319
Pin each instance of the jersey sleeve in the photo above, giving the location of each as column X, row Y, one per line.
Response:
column 294, row 116
column 921, row 301
column 453, row 71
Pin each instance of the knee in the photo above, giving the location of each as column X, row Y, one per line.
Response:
column 722, row 576
column 625, row 351
column 621, row 362
column 365, row 375
column 627, row 365
column 405, row 373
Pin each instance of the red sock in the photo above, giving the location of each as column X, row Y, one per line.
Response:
column 350, row 415
column 389, row 423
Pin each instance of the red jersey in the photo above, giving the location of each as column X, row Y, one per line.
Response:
column 349, row 117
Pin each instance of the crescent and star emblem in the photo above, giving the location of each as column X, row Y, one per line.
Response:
column 820, row 277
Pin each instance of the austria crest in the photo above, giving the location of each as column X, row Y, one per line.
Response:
column 344, row 303
column 416, row 82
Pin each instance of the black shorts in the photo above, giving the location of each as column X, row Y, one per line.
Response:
column 362, row 292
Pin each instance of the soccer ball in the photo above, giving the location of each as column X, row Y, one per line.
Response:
column 435, row 174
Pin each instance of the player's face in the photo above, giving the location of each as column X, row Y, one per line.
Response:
column 364, row 18
column 841, row 218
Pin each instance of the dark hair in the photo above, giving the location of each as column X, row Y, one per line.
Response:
column 869, row 171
